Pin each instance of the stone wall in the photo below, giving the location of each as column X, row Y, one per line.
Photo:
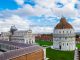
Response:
column 38, row 55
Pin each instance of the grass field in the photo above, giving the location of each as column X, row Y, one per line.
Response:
column 44, row 43
column 55, row 54
column 78, row 45
column 59, row 55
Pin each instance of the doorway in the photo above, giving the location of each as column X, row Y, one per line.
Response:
column 60, row 47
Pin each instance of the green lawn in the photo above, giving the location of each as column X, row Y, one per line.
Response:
column 78, row 46
column 44, row 43
column 59, row 55
column 56, row 54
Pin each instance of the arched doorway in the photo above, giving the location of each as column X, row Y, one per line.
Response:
column 60, row 45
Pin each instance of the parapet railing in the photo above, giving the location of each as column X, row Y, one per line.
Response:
column 18, row 52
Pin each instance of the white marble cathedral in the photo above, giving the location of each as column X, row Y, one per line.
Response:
column 64, row 36
column 20, row 36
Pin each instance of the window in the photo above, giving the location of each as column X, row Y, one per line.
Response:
column 67, row 44
column 70, row 31
column 29, row 42
column 60, row 38
column 63, row 44
column 63, row 31
column 65, row 37
column 59, row 31
column 32, row 41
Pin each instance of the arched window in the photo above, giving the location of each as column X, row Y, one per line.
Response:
column 59, row 31
column 65, row 37
column 60, row 38
column 29, row 42
column 67, row 44
column 63, row 31
column 63, row 44
column 70, row 31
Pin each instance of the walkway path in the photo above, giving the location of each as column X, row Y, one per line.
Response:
column 76, row 55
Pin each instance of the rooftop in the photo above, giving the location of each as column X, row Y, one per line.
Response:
column 63, row 24
column 24, row 49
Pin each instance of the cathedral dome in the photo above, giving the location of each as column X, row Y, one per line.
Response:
column 63, row 24
column 13, row 28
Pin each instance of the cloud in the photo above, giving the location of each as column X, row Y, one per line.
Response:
column 50, row 3
column 66, row 12
column 59, row 7
column 41, row 30
column 48, row 8
column 19, row 2
column 76, row 24
column 32, row 11
column 20, row 23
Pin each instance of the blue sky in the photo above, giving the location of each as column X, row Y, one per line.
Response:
column 8, row 4
column 38, row 14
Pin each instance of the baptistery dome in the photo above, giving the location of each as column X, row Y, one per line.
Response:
column 63, row 24
column 64, row 36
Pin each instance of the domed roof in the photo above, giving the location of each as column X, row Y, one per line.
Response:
column 63, row 24
column 13, row 28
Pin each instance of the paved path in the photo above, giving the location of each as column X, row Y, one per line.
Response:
column 76, row 55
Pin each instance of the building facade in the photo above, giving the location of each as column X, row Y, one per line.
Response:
column 64, row 36
column 19, row 36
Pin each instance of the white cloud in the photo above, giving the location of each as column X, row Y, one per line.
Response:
column 68, row 10
column 49, row 8
column 32, row 11
column 65, row 11
column 50, row 3
column 20, row 2
column 43, row 7
column 42, row 29
column 20, row 23
column 76, row 24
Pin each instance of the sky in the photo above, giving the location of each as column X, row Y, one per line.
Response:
column 39, row 15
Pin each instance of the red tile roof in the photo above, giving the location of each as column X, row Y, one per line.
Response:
column 63, row 24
